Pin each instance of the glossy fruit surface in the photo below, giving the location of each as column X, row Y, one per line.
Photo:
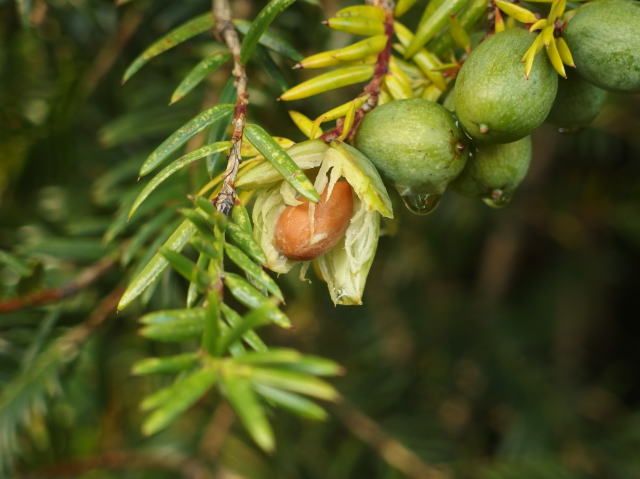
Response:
column 416, row 143
column 494, row 100
column 578, row 102
column 495, row 171
column 604, row 38
column 304, row 235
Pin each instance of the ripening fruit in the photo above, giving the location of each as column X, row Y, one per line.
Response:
column 604, row 38
column 298, row 237
column 494, row 100
column 416, row 143
column 495, row 171
column 578, row 102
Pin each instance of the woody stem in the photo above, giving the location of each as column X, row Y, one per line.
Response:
column 226, row 32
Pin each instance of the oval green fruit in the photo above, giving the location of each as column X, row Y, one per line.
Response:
column 494, row 172
column 578, row 102
column 604, row 38
column 494, row 100
column 416, row 143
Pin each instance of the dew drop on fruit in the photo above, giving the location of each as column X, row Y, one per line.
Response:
column 570, row 130
column 421, row 203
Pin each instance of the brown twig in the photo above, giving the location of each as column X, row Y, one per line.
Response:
column 390, row 449
column 83, row 280
column 227, row 33
column 79, row 334
column 187, row 467
column 111, row 50
column 372, row 89
column 217, row 431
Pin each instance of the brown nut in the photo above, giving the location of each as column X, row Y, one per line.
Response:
column 294, row 236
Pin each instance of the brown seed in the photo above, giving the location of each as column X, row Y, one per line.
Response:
column 295, row 237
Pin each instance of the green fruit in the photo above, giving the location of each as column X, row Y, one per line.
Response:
column 604, row 38
column 578, row 102
column 416, row 143
column 495, row 171
column 494, row 100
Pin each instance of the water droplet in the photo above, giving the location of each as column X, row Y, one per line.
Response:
column 569, row 130
column 497, row 199
column 420, row 203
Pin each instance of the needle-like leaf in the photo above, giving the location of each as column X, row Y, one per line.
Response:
column 184, row 134
column 281, row 161
column 260, row 25
column 187, row 30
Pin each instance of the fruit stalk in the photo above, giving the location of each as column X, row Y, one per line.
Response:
column 227, row 33
column 372, row 89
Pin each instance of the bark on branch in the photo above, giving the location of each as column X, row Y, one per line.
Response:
column 228, row 34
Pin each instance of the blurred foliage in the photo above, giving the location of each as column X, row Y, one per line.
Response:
column 493, row 344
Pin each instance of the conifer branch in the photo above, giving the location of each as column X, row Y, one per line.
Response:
column 372, row 89
column 228, row 34
column 27, row 391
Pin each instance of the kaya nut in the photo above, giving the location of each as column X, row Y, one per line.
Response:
column 304, row 232
column 346, row 220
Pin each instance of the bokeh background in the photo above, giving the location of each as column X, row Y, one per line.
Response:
column 493, row 344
